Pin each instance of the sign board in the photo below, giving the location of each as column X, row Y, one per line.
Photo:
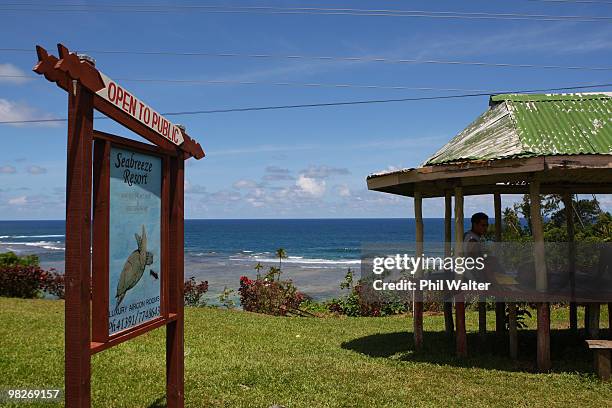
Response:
column 134, row 239
column 124, row 199
column 130, row 104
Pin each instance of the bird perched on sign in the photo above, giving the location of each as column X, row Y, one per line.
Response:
column 134, row 266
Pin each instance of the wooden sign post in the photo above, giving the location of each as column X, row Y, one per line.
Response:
column 136, row 224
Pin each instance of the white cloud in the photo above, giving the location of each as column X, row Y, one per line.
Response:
column 15, row 111
column 278, row 177
column 34, row 170
column 21, row 200
column 391, row 167
column 244, row 184
column 224, row 196
column 343, row 190
column 32, row 205
column 310, row 186
column 277, row 170
column 9, row 73
column 255, row 202
column 275, row 173
column 194, row 188
column 8, row 169
column 322, row 172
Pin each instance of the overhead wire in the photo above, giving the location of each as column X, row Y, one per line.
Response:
column 328, row 104
column 282, row 84
column 37, row 7
column 365, row 59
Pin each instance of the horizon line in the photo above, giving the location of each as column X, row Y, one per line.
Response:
column 265, row 219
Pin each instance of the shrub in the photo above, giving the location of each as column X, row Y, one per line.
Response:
column 21, row 276
column 269, row 296
column 194, row 291
column 226, row 298
column 522, row 313
column 360, row 301
column 313, row 308
column 54, row 283
column 11, row 259
column 21, row 281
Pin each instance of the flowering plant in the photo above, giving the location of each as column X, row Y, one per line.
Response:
column 193, row 292
column 30, row 281
column 268, row 295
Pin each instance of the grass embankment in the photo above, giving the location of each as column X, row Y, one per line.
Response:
column 239, row 359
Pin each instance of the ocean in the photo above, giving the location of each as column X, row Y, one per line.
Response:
column 320, row 251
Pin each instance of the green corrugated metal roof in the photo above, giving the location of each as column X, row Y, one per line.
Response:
column 528, row 125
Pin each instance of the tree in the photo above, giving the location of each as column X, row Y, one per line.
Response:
column 281, row 254
column 591, row 223
column 585, row 212
column 511, row 224
column 273, row 274
column 258, row 268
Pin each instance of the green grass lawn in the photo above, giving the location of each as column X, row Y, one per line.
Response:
column 239, row 359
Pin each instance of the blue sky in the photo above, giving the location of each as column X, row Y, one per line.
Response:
column 286, row 163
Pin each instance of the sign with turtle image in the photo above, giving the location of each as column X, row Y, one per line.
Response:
column 124, row 199
column 135, row 239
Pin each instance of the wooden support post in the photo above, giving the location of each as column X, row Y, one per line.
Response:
column 418, row 301
column 174, row 330
column 543, row 308
column 459, row 299
column 448, row 306
column 100, row 244
column 461, row 330
column 500, row 319
column 77, row 271
column 543, row 339
column 610, row 320
column 569, row 216
column 537, row 229
column 500, row 307
column 602, row 360
column 573, row 317
column 512, row 330
column 593, row 317
column 498, row 216
column 482, row 319
column 587, row 313
column 602, row 363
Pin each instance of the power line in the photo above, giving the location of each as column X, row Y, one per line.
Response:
column 285, row 84
column 573, row 1
column 299, row 10
column 331, row 59
column 328, row 104
column 201, row 6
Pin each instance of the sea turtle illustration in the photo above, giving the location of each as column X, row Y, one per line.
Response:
column 134, row 267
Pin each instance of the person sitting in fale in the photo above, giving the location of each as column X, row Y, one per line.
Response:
column 473, row 246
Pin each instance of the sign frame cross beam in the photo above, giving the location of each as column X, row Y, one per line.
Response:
column 68, row 68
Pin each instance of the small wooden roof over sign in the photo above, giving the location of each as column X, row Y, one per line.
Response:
column 116, row 102
column 562, row 140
